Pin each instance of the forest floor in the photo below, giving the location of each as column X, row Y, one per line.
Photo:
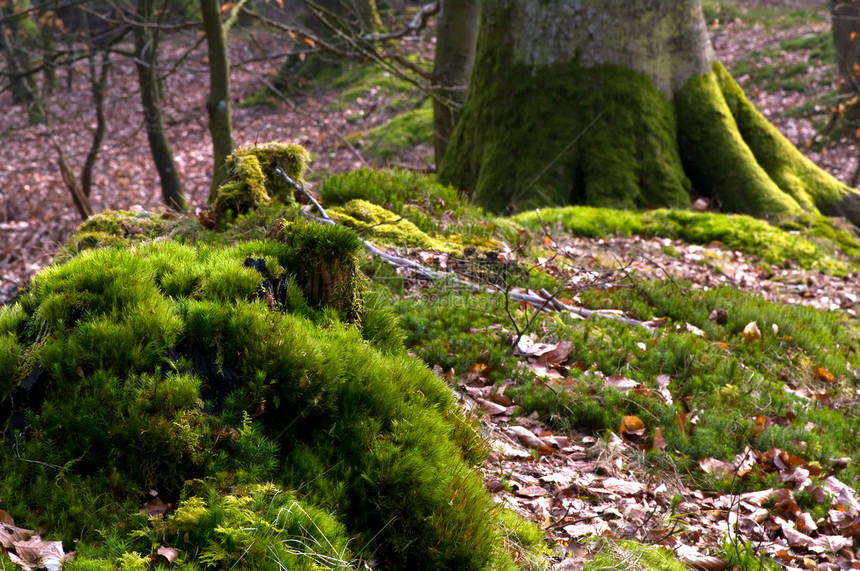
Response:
column 575, row 485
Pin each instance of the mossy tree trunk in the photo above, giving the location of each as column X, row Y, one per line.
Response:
column 146, row 50
column 456, row 35
column 218, row 101
column 620, row 103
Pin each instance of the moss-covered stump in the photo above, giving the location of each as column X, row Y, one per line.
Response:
column 325, row 259
column 253, row 181
column 162, row 367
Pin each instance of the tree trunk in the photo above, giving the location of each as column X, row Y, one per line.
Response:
column 845, row 122
column 21, row 38
column 620, row 103
column 218, row 102
column 456, row 35
column 98, row 87
column 146, row 48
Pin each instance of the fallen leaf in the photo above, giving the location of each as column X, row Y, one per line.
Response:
column 659, row 441
column 759, row 426
column 632, row 428
column 620, row 382
column 717, row 467
column 751, row 332
column 695, row 330
column 626, row 487
column 823, row 374
column 531, row 492
column 705, row 562
column 525, row 436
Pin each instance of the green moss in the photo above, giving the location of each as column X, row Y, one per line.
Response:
column 437, row 210
column 358, row 81
column 614, row 144
column 253, row 181
column 812, row 242
column 157, row 366
column 325, row 259
column 401, row 133
column 797, row 176
column 634, row 557
column 718, row 160
column 761, row 13
column 382, row 226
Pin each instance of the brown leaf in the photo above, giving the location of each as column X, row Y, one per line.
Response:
column 823, row 374
column 622, row 486
column 718, row 467
column 659, row 441
column 35, row 552
column 557, row 354
column 682, row 421
column 6, row 518
column 9, row 534
column 169, row 554
column 155, row 506
column 705, row 562
column 620, row 382
column 531, row 492
column 490, row 407
column 632, row 428
column 760, row 424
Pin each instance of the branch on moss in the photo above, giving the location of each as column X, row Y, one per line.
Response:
column 542, row 303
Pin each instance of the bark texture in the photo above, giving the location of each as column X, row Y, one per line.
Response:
column 456, row 36
column 620, row 103
column 218, row 101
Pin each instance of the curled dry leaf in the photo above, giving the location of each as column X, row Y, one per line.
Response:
column 525, row 436
column 168, row 553
column 632, row 428
column 751, row 332
column 531, row 492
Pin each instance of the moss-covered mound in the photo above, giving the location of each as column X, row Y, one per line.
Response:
column 201, row 373
column 253, row 180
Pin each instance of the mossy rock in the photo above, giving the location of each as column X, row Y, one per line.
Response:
column 253, row 180
column 165, row 367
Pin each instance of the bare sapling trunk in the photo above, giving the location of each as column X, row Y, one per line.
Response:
column 146, row 49
column 218, row 102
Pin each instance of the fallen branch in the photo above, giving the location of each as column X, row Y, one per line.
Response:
column 544, row 304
